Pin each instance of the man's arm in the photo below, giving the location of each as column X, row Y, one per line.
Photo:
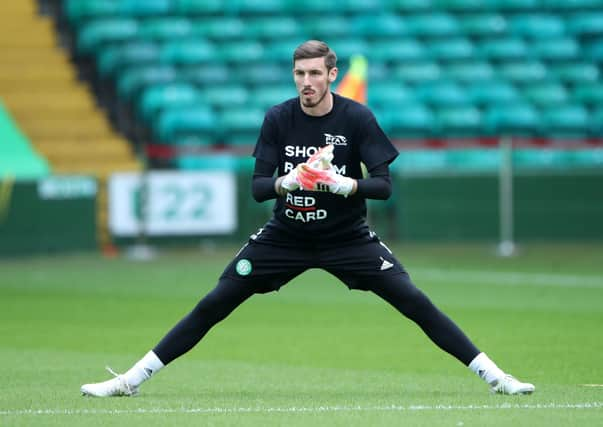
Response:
column 378, row 185
column 263, row 186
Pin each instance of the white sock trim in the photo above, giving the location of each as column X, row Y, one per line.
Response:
column 486, row 369
column 144, row 369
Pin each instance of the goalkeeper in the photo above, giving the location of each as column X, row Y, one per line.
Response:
column 318, row 222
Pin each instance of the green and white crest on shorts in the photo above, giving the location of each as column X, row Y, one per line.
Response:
column 244, row 267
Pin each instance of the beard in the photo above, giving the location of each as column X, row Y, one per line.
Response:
column 309, row 104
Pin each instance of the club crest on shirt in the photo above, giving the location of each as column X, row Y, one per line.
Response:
column 335, row 139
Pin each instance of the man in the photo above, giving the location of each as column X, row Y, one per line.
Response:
column 318, row 222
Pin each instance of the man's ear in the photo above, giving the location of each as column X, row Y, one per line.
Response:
column 333, row 74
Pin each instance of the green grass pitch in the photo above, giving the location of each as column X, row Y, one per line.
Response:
column 313, row 354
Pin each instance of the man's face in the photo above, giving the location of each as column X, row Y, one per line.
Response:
column 313, row 80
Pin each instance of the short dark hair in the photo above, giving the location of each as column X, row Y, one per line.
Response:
column 316, row 49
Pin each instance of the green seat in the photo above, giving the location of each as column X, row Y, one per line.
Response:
column 459, row 5
column 545, row 94
column 388, row 94
column 407, row 6
column 515, row 119
column 492, row 92
column 280, row 51
column 113, row 58
column 523, row 71
column 565, row 5
column 503, row 48
column 441, row 93
column 470, row 71
column 145, row 8
column 263, row 73
column 483, row 24
column 450, row 49
column 184, row 52
column 326, row 27
column 219, row 28
column 240, row 126
column 434, row 24
column 159, row 97
column 597, row 119
column 78, row 11
column 556, row 49
column 590, row 93
column 198, row 7
column 174, row 124
column 220, row 162
column 537, row 25
column 254, row 7
column 575, row 72
column 419, row 71
column 403, row 50
column 267, row 96
column 345, row 48
column 311, row 7
column 240, row 51
column 459, row 121
column 410, row 120
column 165, row 28
column 205, row 74
column 95, row 34
column 586, row 23
column 132, row 80
column 378, row 26
column 225, row 96
column 512, row 5
column 277, row 27
column 566, row 120
column 361, row 6
column 594, row 51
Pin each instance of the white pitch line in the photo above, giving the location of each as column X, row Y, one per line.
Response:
column 509, row 278
column 296, row 409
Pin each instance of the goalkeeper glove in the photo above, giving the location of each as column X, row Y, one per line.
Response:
column 290, row 181
column 324, row 180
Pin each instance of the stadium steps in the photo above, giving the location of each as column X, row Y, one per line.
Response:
column 41, row 89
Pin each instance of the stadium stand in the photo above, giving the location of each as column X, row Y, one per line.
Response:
column 437, row 68
column 54, row 110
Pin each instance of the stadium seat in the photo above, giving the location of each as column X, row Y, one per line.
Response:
column 492, row 92
column 459, row 5
column 555, row 49
column 253, row 7
column 483, row 24
column 515, row 119
column 265, row 97
column 547, row 93
column 503, row 48
column 389, row 94
column 348, row 47
column 172, row 95
column 566, row 120
column 226, row 96
column 411, row 120
column 113, row 58
column 470, row 71
column 527, row 71
column 240, row 51
column 219, row 28
column 136, row 78
column 311, row 7
column 94, row 34
column 198, row 7
column 537, row 25
column 240, row 126
column 594, row 51
column 323, row 28
column 512, row 5
column 419, row 71
column 590, row 93
column 441, row 93
column 434, row 24
column 575, row 72
column 450, row 49
column 184, row 52
column 569, row 5
column 586, row 23
column 408, row 6
column 263, row 73
column 383, row 25
column 463, row 121
column 176, row 123
column 395, row 51
column 272, row 28
column 165, row 28
column 205, row 74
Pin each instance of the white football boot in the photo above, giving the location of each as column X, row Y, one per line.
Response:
column 511, row 385
column 117, row 386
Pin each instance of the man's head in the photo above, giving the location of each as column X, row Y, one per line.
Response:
column 314, row 69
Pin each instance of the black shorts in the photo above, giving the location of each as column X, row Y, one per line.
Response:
column 267, row 266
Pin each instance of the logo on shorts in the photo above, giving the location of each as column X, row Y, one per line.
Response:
column 243, row 267
column 385, row 265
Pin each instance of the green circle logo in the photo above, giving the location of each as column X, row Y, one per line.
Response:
column 244, row 267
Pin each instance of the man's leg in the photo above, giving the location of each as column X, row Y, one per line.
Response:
column 213, row 308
